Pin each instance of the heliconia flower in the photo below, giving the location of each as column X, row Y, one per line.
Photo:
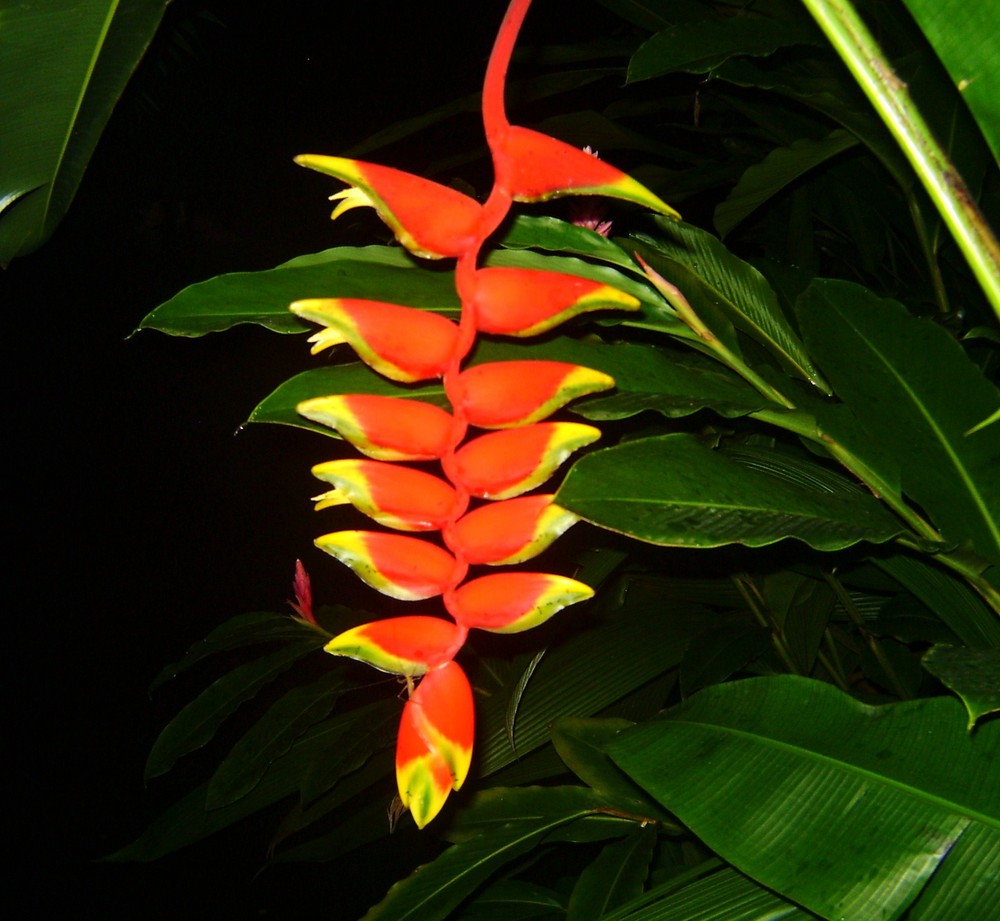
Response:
column 384, row 428
column 532, row 166
column 511, row 531
column 525, row 302
column 407, row 646
column 509, row 602
column 505, row 464
column 509, row 393
column 402, row 343
column 402, row 567
column 431, row 220
column 434, row 745
column 395, row 496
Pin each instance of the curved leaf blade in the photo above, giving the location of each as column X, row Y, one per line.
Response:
column 271, row 737
column 973, row 674
column 197, row 723
column 616, row 875
column 82, row 54
column 385, row 273
column 500, row 825
column 780, row 167
column 674, row 491
column 737, row 287
column 700, row 46
column 912, row 388
column 766, row 768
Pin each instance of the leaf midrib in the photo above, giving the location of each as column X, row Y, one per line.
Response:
column 847, row 767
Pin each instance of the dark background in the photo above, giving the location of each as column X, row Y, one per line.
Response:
column 141, row 519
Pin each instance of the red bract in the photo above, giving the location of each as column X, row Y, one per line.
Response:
column 509, row 393
column 385, row 428
column 434, row 746
column 394, row 496
column 509, row 532
column 509, row 602
column 526, row 302
column 430, row 220
column 505, row 464
column 536, row 167
column 402, row 343
column 401, row 645
column 401, row 567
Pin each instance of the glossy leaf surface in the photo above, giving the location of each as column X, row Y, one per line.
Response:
column 860, row 794
column 672, row 490
column 82, row 54
column 913, row 389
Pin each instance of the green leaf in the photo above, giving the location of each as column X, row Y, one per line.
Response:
column 956, row 31
column 720, row 895
column 552, row 234
column 716, row 654
column 197, row 723
column 354, row 377
column 508, row 899
column 498, row 826
column 778, row 169
column 867, row 801
column 343, row 743
column 64, row 66
column 672, row 383
column 517, row 693
column 581, row 742
column 674, row 491
column 735, row 286
column 698, row 47
column 385, row 273
column 958, row 607
column 973, row 674
column 646, row 378
column 617, row 875
column 913, row 390
column 565, row 683
column 243, row 630
column 271, row 737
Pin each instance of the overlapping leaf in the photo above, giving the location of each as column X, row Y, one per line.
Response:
column 915, row 392
column 766, row 768
column 674, row 491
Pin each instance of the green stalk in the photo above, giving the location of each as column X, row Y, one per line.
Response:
column 888, row 94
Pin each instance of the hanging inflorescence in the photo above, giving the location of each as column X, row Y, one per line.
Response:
column 510, row 399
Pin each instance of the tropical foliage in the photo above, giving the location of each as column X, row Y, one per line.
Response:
column 780, row 700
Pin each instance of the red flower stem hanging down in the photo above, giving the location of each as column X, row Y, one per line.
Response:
column 434, row 747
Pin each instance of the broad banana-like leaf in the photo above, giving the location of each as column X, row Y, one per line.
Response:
column 64, row 66
column 844, row 808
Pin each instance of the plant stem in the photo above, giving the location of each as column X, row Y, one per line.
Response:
column 873, row 643
column 858, row 49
